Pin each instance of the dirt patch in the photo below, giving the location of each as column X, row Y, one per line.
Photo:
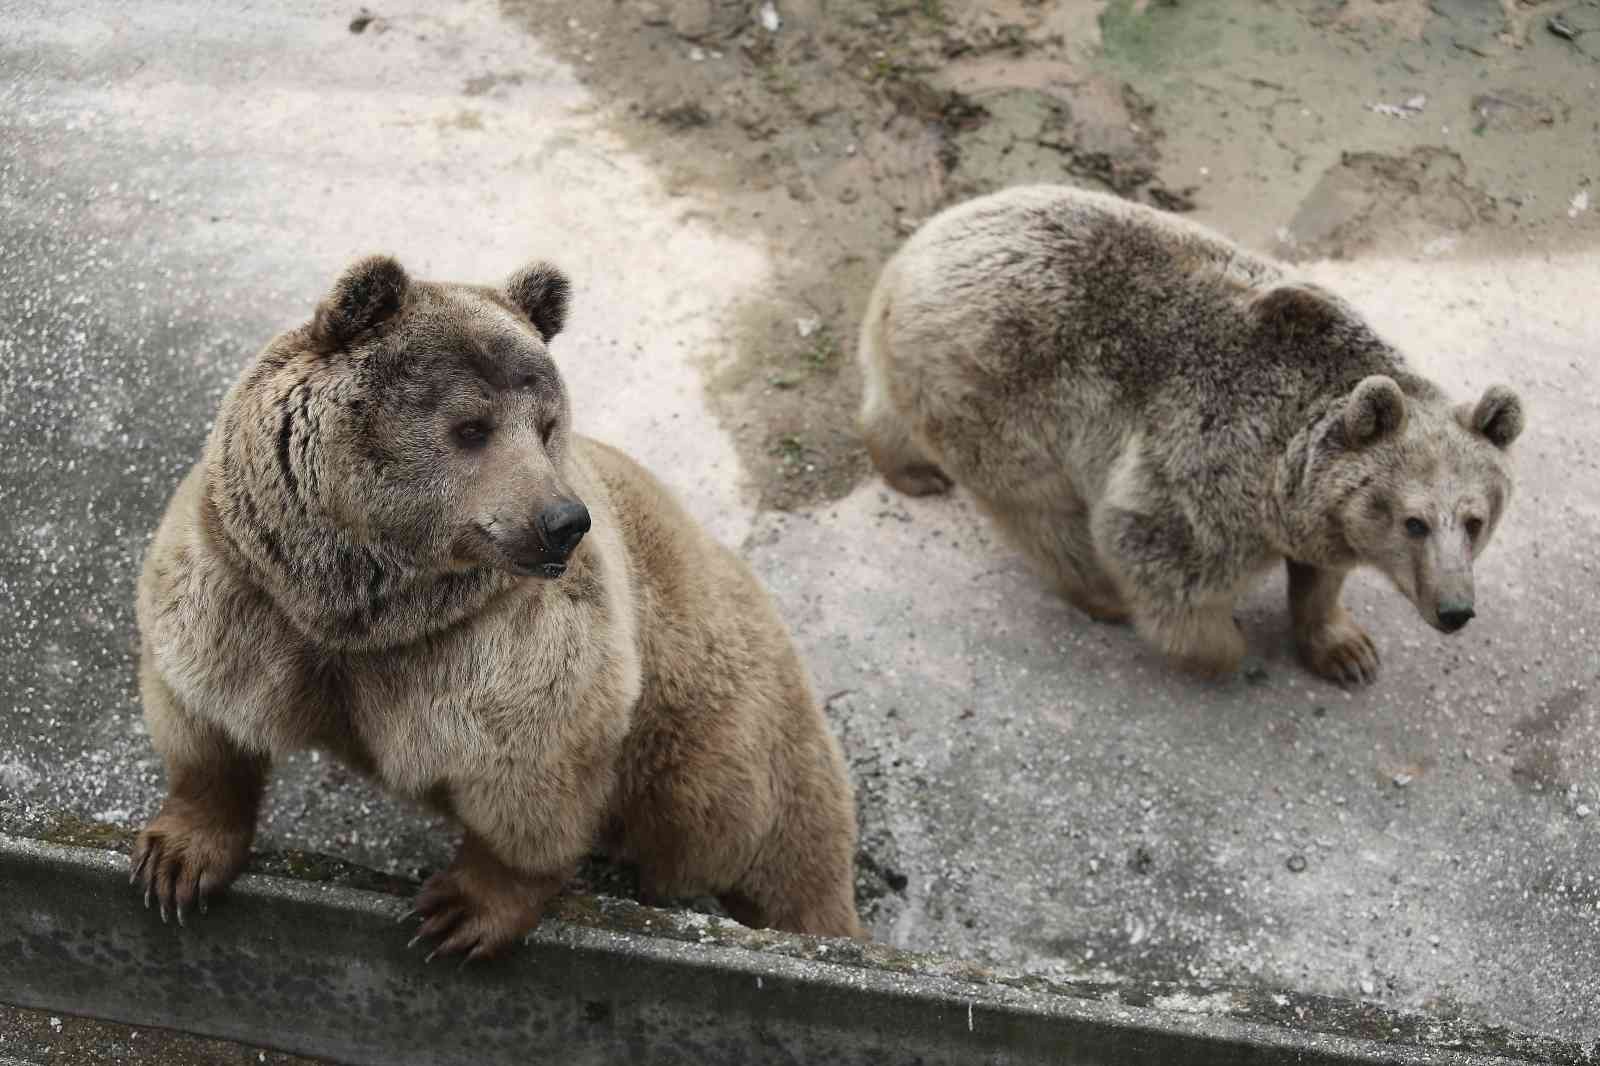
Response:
column 1394, row 127
column 46, row 1036
column 1369, row 197
column 828, row 129
column 829, row 138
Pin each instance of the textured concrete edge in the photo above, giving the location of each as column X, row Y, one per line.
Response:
column 605, row 977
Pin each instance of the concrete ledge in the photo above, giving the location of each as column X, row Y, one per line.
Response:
column 322, row 970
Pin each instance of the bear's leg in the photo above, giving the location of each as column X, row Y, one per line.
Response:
column 803, row 878
column 1097, row 597
column 1203, row 640
column 746, row 797
column 1057, row 540
column 479, row 905
column 770, row 829
column 898, row 458
column 791, row 869
column 518, row 849
column 1094, row 595
column 198, row 842
column 1330, row 642
column 1158, row 559
column 903, row 464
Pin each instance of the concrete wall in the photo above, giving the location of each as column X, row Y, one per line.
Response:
column 323, row 970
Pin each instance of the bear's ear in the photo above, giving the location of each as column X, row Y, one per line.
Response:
column 366, row 294
column 1375, row 410
column 1297, row 310
column 1498, row 416
column 540, row 291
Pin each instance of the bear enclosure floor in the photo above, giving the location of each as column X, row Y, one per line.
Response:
column 1037, row 792
column 37, row 1038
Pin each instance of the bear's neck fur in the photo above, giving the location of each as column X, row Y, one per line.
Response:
column 341, row 596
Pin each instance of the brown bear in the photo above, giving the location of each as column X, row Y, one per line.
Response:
column 396, row 549
column 1154, row 416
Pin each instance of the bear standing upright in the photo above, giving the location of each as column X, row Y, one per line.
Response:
column 395, row 549
column 1154, row 417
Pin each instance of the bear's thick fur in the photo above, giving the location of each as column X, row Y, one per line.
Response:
column 396, row 550
column 1154, row 416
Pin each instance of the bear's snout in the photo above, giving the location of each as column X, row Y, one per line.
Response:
column 1453, row 616
column 562, row 525
column 542, row 542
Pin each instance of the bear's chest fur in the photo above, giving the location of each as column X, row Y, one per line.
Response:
column 519, row 687
column 541, row 671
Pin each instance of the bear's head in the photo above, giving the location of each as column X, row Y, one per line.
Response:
column 1415, row 487
column 403, row 455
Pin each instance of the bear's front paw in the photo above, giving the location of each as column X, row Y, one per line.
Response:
column 183, row 856
column 1341, row 651
column 479, row 912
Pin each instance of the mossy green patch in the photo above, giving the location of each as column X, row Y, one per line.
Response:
column 67, row 828
column 1152, row 39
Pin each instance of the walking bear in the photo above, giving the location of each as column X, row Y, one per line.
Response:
column 1154, row 417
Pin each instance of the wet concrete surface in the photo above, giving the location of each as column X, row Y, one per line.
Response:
column 1037, row 792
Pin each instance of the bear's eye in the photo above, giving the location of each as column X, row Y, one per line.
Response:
column 473, row 434
column 1416, row 527
column 1474, row 527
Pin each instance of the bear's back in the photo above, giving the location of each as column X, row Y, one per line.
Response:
column 1041, row 283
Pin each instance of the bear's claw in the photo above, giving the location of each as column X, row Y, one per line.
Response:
column 465, row 912
column 179, row 860
column 1342, row 653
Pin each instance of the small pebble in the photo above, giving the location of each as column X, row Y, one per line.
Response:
column 1402, row 780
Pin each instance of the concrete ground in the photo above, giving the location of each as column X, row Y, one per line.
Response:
column 178, row 183
column 46, row 1038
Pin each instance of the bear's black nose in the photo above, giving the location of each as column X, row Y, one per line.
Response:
column 562, row 525
column 1453, row 618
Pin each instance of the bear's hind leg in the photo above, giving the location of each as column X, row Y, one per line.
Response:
column 903, row 464
column 802, row 878
column 1057, row 540
column 811, row 891
column 898, row 458
column 1097, row 597
column 1203, row 640
column 1079, row 576
column 1180, row 591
